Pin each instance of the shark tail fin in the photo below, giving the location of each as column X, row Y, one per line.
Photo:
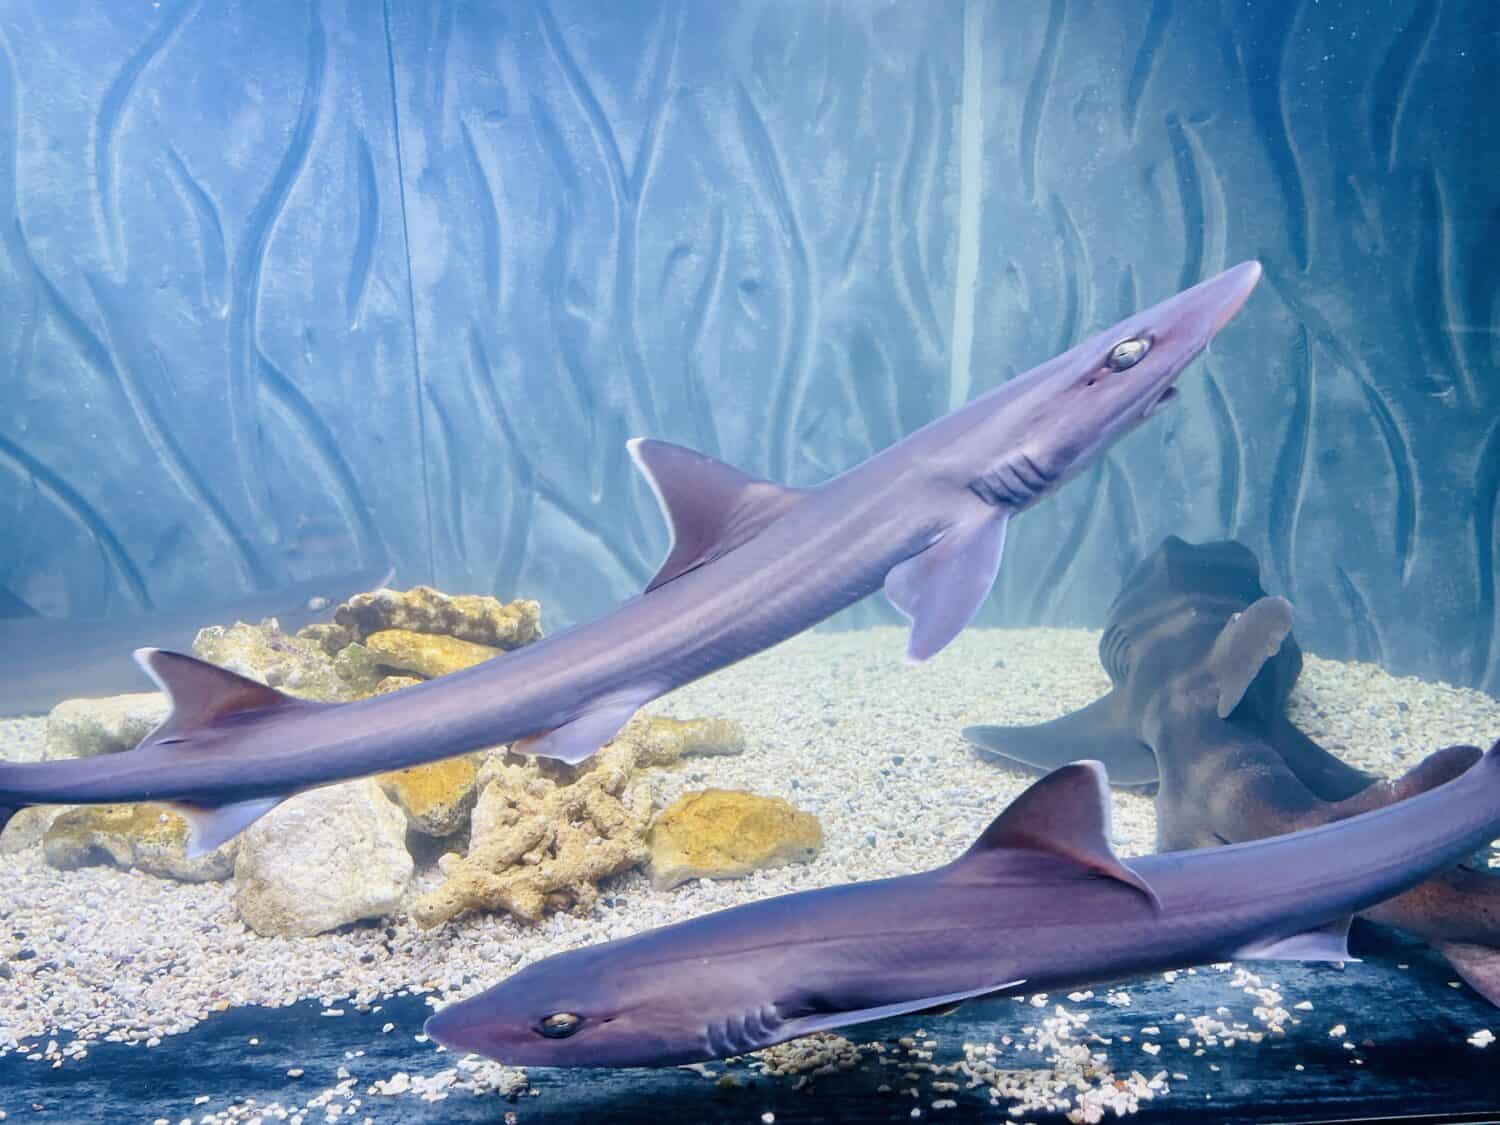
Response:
column 1438, row 768
column 1097, row 731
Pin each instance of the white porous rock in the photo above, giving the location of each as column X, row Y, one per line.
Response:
column 27, row 827
column 86, row 728
column 323, row 859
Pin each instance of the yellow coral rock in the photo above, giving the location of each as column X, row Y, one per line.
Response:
column 426, row 654
column 422, row 609
column 664, row 740
column 143, row 836
column 437, row 798
column 728, row 833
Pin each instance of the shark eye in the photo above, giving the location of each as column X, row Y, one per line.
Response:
column 1127, row 353
column 559, row 1025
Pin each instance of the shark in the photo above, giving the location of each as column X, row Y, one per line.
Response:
column 750, row 563
column 45, row 660
column 1040, row 903
column 1202, row 662
column 1167, row 618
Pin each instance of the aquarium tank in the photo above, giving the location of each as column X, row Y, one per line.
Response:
column 781, row 560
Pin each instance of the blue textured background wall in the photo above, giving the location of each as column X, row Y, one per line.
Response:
column 289, row 286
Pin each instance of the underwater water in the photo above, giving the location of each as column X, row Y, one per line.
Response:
column 303, row 299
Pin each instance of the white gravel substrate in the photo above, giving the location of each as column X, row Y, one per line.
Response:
column 836, row 723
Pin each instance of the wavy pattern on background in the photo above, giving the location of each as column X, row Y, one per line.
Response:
column 249, row 275
column 788, row 380
column 1486, row 502
column 1270, row 94
column 131, row 378
column 112, row 110
column 419, row 279
column 1289, row 482
column 96, row 523
column 1395, row 79
column 1232, row 445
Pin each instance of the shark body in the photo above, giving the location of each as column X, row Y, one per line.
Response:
column 1040, row 903
column 751, row 564
column 1202, row 663
column 44, row 660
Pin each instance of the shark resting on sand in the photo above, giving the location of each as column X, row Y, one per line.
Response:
column 44, row 660
column 1040, row 903
column 751, row 564
column 1202, row 663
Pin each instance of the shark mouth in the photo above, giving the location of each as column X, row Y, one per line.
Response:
column 1160, row 401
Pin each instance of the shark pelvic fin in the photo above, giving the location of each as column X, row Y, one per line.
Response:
column 824, row 1021
column 941, row 588
column 580, row 738
column 208, row 828
column 201, row 692
column 1065, row 815
column 1327, row 943
column 710, row 507
column 1251, row 637
column 1097, row 731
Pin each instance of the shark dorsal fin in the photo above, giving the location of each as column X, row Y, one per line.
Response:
column 710, row 507
column 1064, row 815
column 201, row 693
column 1250, row 638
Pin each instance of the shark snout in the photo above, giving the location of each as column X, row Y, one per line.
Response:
column 454, row 1027
column 1230, row 290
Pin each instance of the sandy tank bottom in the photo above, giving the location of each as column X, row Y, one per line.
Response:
column 837, row 725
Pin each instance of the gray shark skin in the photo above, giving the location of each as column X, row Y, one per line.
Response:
column 1202, row 662
column 1040, row 903
column 751, row 564
column 44, row 660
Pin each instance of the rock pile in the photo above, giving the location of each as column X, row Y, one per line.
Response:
column 520, row 835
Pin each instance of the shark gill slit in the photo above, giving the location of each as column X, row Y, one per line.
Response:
column 1008, row 485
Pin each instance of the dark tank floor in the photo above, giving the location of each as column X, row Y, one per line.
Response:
column 1410, row 1059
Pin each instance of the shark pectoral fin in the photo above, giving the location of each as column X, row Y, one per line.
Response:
column 208, row 828
column 941, row 588
column 1251, row 637
column 1327, row 943
column 201, row 692
column 1096, row 732
column 1478, row 965
column 826, row 1021
column 582, row 737
column 710, row 507
column 1066, row 816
